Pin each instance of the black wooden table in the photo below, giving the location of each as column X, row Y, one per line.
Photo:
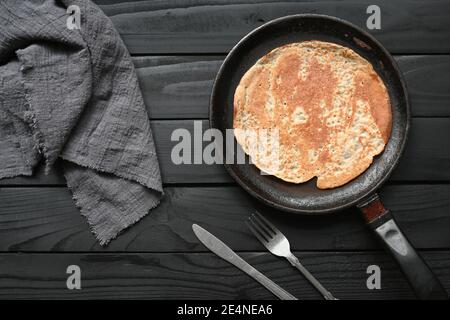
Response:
column 177, row 47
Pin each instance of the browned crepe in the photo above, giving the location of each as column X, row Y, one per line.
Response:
column 329, row 107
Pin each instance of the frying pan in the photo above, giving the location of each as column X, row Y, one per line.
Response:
column 306, row 198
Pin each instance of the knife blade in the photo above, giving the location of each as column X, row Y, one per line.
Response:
column 223, row 251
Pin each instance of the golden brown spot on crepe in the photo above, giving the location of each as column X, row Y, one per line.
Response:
column 316, row 88
column 331, row 109
column 369, row 89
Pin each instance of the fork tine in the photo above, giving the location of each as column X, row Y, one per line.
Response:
column 268, row 223
column 256, row 234
column 261, row 230
column 259, row 222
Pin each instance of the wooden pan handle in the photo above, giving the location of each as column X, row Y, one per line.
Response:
column 422, row 279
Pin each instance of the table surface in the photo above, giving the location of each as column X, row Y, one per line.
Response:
column 178, row 46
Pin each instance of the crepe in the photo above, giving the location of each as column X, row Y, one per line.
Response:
column 312, row 109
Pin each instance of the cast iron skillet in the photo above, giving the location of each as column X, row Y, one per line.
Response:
column 306, row 198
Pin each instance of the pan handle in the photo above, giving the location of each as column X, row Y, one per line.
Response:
column 425, row 284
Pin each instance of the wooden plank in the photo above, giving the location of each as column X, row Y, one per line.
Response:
column 427, row 157
column 179, row 87
column 426, row 149
column 200, row 26
column 45, row 219
column 202, row 276
column 172, row 173
column 428, row 84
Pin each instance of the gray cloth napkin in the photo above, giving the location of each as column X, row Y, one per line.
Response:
column 74, row 95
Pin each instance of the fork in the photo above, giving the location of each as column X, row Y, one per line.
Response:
column 278, row 244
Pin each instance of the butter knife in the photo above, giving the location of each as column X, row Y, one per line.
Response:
column 223, row 251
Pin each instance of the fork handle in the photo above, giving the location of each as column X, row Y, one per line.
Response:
column 296, row 263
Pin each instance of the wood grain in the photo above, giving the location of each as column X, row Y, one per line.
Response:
column 202, row 276
column 199, row 26
column 179, row 87
column 45, row 219
column 427, row 157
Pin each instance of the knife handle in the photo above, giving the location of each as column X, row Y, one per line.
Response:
column 225, row 252
column 269, row 284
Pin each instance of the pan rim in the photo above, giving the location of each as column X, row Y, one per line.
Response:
column 376, row 185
